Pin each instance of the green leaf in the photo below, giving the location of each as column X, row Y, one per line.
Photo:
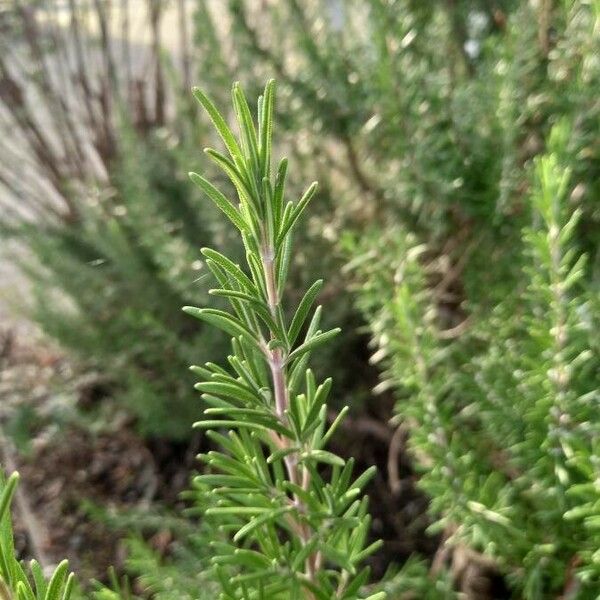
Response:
column 245, row 557
column 279, row 454
column 266, row 129
column 314, row 342
column 247, row 129
column 229, row 390
column 279, row 190
column 269, row 218
column 7, row 494
column 257, row 304
column 209, row 424
column 298, row 210
column 56, row 582
column 364, row 478
column 284, row 257
column 367, row 551
column 231, row 269
column 220, row 201
column 260, row 520
column 69, row 586
column 336, row 423
column 258, row 416
column 237, row 178
column 219, row 123
column 312, row 416
column 215, row 480
column 302, row 310
column 219, row 319
column 22, row 592
column 323, row 456
column 38, row 578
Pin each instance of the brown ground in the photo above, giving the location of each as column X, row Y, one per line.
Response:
column 73, row 472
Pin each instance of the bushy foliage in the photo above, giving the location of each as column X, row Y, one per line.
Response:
column 434, row 117
column 285, row 517
column 109, row 285
column 96, row 206
column 541, row 367
column 427, row 113
column 423, row 121
column 503, row 418
column 112, row 258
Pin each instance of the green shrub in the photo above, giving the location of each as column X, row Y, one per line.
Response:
column 285, row 518
column 422, row 121
column 101, row 217
column 427, row 114
column 108, row 286
column 504, row 417
column 426, row 120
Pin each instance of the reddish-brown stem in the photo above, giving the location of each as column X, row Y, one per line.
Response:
column 276, row 359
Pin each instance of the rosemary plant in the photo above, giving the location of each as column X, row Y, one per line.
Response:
column 293, row 521
column 14, row 582
column 504, row 419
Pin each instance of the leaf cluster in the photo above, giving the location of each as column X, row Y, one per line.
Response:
column 15, row 582
column 504, row 418
column 293, row 519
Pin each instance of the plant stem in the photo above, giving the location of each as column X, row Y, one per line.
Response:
column 276, row 361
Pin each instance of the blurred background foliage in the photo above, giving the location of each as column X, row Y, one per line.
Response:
column 456, row 143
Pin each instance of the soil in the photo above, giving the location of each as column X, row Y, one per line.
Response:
column 73, row 474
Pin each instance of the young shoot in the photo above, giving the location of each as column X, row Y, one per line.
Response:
column 293, row 522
